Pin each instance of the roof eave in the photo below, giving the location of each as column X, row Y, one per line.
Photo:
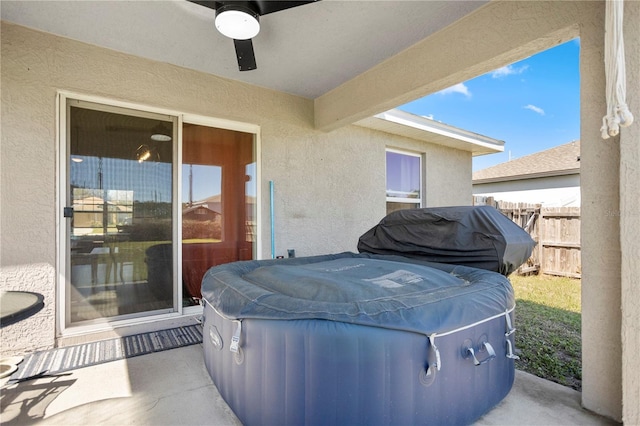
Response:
column 421, row 128
column 550, row 173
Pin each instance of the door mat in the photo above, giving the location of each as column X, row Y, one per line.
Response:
column 72, row 357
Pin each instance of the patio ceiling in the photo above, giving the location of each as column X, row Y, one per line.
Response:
column 353, row 58
column 305, row 51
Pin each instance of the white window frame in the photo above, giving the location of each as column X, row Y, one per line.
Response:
column 64, row 330
column 418, row 200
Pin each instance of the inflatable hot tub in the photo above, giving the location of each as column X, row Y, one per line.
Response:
column 352, row 339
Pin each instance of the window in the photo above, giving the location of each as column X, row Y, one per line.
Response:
column 404, row 180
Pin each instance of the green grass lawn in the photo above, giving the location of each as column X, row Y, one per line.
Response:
column 548, row 328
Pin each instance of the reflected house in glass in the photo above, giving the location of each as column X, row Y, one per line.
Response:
column 89, row 211
column 200, row 213
column 200, row 222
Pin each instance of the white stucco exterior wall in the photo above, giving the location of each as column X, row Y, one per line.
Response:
column 630, row 222
column 329, row 187
column 442, row 187
column 600, row 234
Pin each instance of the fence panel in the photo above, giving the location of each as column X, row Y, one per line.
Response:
column 561, row 241
column 556, row 231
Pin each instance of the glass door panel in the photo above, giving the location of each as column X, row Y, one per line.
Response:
column 119, row 213
column 218, row 202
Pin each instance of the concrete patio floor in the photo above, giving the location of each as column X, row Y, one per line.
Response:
column 174, row 388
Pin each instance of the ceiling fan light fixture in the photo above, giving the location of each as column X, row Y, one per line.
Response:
column 143, row 153
column 160, row 134
column 160, row 138
column 237, row 22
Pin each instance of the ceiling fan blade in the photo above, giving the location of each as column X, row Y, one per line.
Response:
column 265, row 7
column 244, row 52
column 206, row 3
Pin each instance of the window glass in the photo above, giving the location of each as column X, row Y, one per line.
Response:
column 218, row 202
column 403, row 181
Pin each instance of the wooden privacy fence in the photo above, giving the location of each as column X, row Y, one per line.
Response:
column 556, row 231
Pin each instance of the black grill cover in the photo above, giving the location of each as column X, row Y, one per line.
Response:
column 476, row 236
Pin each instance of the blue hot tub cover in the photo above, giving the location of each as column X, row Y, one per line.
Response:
column 477, row 236
column 367, row 289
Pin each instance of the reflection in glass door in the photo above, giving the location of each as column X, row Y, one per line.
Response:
column 119, row 213
column 218, row 202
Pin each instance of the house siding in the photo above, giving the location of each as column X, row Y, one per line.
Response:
column 329, row 187
column 555, row 191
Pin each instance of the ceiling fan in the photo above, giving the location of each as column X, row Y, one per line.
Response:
column 240, row 20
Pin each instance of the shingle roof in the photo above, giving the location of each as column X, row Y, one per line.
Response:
column 561, row 160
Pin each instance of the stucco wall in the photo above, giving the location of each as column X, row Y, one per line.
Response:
column 329, row 187
column 444, row 188
column 600, row 234
column 630, row 222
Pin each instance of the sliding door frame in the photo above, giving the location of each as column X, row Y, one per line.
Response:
column 63, row 268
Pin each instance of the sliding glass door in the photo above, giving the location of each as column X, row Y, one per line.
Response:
column 125, row 210
column 218, row 201
column 119, row 212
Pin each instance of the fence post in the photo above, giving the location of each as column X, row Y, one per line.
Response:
column 540, row 247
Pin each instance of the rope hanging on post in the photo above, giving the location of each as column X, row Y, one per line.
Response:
column 618, row 113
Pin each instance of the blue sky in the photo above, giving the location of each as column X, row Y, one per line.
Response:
column 532, row 105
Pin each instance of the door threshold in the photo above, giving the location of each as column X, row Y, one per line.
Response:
column 127, row 330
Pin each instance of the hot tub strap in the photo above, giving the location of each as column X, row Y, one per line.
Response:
column 235, row 339
column 491, row 354
column 510, row 329
column 510, row 353
column 434, row 348
column 509, row 332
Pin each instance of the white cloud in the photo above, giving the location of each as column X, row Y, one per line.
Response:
column 508, row 70
column 534, row 109
column 458, row 88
